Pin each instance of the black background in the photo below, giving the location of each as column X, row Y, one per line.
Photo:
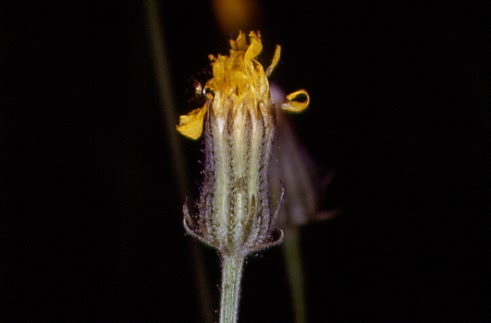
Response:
column 91, row 226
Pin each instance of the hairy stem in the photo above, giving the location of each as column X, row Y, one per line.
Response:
column 231, row 276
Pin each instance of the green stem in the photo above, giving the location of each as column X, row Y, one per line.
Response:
column 293, row 259
column 164, row 81
column 231, row 276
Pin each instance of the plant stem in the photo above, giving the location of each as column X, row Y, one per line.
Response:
column 293, row 260
column 164, row 85
column 231, row 276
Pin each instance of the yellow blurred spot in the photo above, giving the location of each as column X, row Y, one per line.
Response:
column 233, row 15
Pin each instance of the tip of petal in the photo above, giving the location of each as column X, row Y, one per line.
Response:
column 274, row 62
column 240, row 43
column 255, row 48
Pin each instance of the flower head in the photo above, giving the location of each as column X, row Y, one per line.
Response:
column 238, row 120
column 239, row 82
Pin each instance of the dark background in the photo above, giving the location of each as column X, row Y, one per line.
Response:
column 91, row 223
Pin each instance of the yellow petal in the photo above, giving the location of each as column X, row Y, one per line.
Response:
column 274, row 62
column 293, row 105
column 255, row 48
column 241, row 42
column 191, row 125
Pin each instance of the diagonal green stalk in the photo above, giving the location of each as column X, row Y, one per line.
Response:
column 231, row 277
column 162, row 73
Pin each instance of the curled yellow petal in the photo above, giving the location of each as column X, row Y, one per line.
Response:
column 191, row 125
column 293, row 104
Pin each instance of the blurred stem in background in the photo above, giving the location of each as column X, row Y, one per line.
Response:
column 294, row 267
column 163, row 78
column 295, row 170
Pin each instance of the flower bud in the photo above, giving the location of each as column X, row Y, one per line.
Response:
column 234, row 212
